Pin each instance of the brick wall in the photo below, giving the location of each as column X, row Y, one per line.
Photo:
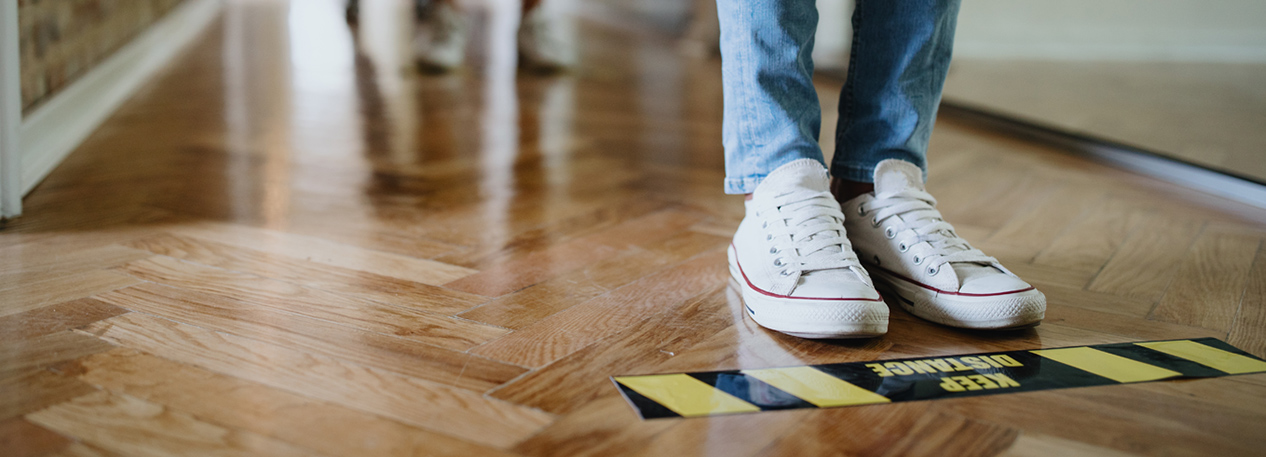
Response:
column 60, row 40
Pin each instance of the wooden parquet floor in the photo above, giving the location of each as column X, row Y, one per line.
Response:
column 292, row 244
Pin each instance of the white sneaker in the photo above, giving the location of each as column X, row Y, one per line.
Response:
column 440, row 41
column 793, row 262
column 545, row 40
column 905, row 244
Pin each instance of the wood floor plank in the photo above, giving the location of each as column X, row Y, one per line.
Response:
column 1146, row 261
column 1012, row 193
column 597, row 219
column 1248, row 331
column 606, row 426
column 46, row 263
column 433, row 406
column 268, row 411
column 20, row 438
column 1096, row 301
column 79, row 449
column 1227, row 392
column 439, row 331
column 325, row 277
column 54, row 318
column 60, row 251
column 1108, row 417
column 1214, row 274
column 31, row 389
column 1026, row 234
column 370, row 234
column 314, row 249
column 35, row 295
column 937, row 434
column 135, row 427
column 25, row 376
column 745, row 435
column 862, row 430
column 1034, row 445
column 1041, row 275
column 48, row 350
column 581, row 325
column 398, row 354
column 519, row 272
column 348, row 310
column 524, row 307
column 1088, row 243
column 1138, row 328
column 573, row 380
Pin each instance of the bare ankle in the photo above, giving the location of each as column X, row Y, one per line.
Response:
column 845, row 190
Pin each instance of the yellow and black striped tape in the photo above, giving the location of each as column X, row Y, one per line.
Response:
column 887, row 381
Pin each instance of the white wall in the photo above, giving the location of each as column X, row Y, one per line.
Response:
column 1132, row 30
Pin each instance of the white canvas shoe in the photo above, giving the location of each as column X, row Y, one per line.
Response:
column 440, row 41
column 793, row 262
column 908, row 248
column 546, row 40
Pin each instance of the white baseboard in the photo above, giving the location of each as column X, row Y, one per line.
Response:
column 10, row 113
column 54, row 129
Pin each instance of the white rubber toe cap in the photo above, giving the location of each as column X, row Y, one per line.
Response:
column 992, row 284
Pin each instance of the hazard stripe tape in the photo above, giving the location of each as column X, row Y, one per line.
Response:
column 1111, row 366
column 915, row 379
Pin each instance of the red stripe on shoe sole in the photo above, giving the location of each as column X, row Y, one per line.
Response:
column 771, row 294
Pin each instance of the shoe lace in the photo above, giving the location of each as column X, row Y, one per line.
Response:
column 918, row 213
column 808, row 230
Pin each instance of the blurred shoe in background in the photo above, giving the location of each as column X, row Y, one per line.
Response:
column 546, row 40
column 439, row 44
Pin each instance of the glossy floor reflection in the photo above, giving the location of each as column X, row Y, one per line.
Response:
column 292, row 243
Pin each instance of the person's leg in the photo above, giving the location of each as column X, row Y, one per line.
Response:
column 900, row 55
column 790, row 256
column 901, row 51
column 772, row 116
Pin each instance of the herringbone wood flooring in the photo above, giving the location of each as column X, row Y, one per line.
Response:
column 291, row 244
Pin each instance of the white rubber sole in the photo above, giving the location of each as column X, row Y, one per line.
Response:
column 998, row 312
column 808, row 318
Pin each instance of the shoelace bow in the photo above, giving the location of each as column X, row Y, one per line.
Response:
column 814, row 223
column 917, row 209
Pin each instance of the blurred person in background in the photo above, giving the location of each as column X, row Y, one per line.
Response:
column 545, row 40
column 815, row 242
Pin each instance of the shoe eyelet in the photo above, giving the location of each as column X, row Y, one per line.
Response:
column 778, row 262
column 774, row 250
column 769, row 237
column 861, row 210
column 918, row 260
column 890, row 233
column 764, row 224
column 876, row 260
column 874, row 221
column 786, row 272
column 902, row 247
column 933, row 271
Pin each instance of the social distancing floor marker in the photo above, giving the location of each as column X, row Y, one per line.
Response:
column 888, row 381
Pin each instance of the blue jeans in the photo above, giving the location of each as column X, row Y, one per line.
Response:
column 901, row 51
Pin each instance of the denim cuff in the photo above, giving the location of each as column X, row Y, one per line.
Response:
column 860, row 173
